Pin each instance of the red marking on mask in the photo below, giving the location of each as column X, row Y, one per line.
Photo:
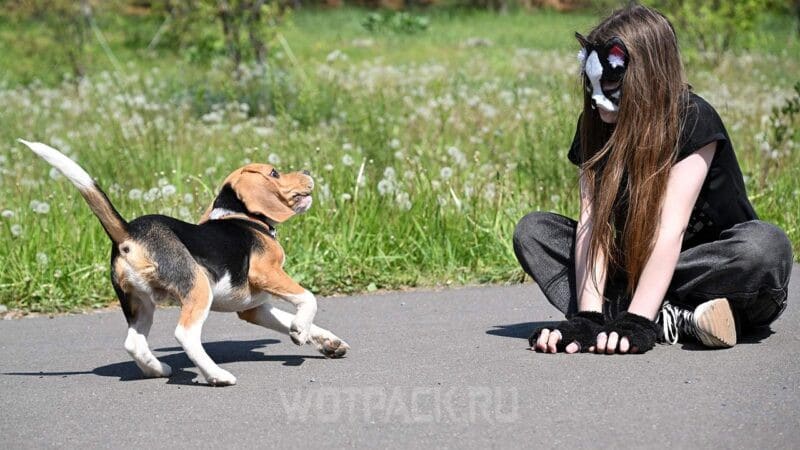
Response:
column 617, row 51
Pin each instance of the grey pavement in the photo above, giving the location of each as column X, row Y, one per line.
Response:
column 446, row 368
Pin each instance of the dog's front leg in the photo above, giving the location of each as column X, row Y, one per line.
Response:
column 194, row 311
column 268, row 316
column 275, row 281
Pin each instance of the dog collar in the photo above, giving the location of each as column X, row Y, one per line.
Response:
column 221, row 213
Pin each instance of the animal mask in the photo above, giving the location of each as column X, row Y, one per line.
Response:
column 603, row 63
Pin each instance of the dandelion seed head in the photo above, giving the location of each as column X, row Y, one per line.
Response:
column 135, row 194
column 16, row 230
column 168, row 190
column 347, row 160
column 188, row 198
column 7, row 214
column 274, row 159
column 446, row 173
column 42, row 259
column 385, row 187
column 42, row 208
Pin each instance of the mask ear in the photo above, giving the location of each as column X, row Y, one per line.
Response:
column 260, row 197
column 582, row 40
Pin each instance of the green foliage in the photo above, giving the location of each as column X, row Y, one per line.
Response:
column 398, row 22
column 425, row 151
column 713, row 27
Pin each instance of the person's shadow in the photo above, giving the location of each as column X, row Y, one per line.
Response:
column 521, row 330
column 221, row 352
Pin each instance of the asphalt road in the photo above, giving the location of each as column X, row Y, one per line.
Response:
column 446, row 369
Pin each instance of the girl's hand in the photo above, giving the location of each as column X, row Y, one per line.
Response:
column 570, row 336
column 627, row 333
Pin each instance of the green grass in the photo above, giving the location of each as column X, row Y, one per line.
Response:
column 397, row 101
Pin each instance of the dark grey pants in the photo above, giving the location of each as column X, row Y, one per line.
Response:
column 750, row 265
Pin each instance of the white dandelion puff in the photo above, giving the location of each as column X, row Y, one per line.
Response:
column 42, row 259
column 273, row 159
column 347, row 160
column 16, row 230
column 135, row 194
column 446, row 173
column 42, row 208
column 188, row 198
column 168, row 190
column 7, row 214
column 385, row 187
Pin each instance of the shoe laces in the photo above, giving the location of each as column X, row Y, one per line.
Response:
column 675, row 322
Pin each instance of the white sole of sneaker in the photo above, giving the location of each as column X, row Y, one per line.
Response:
column 714, row 323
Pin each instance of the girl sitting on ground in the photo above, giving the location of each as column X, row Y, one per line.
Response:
column 667, row 245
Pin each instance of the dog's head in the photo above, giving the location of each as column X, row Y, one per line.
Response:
column 263, row 191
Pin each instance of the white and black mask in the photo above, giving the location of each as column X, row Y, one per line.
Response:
column 603, row 64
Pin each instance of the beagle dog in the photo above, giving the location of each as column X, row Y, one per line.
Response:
column 231, row 261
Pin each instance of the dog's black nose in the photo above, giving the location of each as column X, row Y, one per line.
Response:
column 305, row 172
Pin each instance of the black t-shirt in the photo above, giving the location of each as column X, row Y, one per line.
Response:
column 722, row 202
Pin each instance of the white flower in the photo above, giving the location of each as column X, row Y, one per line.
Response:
column 328, row 167
column 162, row 182
column 389, row 173
column 16, row 230
column 42, row 208
column 274, row 159
column 346, row 197
column 135, row 194
column 168, row 190
column 403, row 201
column 7, row 214
column 42, row 259
column 446, row 173
column 399, row 154
column 151, row 195
column 34, row 204
column 188, row 198
column 184, row 213
column 458, row 158
column 394, row 144
column 385, row 187
column 555, row 198
column 347, row 146
column 347, row 160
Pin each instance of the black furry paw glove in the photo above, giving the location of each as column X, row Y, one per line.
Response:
column 581, row 328
column 640, row 331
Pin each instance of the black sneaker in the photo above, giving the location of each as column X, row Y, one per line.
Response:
column 711, row 323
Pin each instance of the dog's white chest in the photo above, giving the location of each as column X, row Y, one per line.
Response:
column 228, row 299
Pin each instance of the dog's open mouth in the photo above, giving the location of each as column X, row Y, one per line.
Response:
column 302, row 202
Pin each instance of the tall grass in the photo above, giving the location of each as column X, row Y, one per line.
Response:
column 426, row 149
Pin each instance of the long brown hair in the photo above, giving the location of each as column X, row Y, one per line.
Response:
column 629, row 163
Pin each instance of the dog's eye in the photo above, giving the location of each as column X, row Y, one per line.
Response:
column 274, row 174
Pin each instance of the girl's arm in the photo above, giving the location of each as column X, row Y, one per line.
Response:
column 685, row 181
column 590, row 294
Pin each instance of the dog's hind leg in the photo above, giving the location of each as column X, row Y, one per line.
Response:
column 195, row 305
column 268, row 316
column 139, row 314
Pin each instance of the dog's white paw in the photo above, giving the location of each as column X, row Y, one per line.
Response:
column 221, row 377
column 331, row 347
column 300, row 333
column 149, row 371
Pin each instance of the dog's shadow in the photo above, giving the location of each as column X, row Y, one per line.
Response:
column 521, row 330
column 221, row 352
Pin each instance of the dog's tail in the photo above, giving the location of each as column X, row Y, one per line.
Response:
column 116, row 227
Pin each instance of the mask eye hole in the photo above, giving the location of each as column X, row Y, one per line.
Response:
column 274, row 174
column 611, row 85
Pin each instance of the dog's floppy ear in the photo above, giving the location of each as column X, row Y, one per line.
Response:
column 259, row 196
